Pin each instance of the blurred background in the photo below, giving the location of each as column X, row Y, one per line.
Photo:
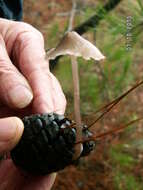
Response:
column 116, row 28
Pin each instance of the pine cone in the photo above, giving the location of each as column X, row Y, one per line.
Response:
column 47, row 144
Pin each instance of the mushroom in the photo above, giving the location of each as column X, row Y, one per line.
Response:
column 76, row 46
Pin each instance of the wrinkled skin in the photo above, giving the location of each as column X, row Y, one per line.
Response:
column 26, row 87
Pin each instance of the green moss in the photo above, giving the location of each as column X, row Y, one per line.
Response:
column 123, row 159
column 124, row 181
column 123, row 163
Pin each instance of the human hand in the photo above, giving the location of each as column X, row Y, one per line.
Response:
column 27, row 86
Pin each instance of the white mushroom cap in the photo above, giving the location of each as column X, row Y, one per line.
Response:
column 73, row 44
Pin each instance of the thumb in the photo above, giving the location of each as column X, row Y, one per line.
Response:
column 11, row 130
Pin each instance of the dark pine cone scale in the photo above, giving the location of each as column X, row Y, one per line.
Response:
column 48, row 144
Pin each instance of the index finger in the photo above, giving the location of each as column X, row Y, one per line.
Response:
column 25, row 45
column 30, row 55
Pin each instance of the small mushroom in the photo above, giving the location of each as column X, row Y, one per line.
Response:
column 76, row 46
column 73, row 44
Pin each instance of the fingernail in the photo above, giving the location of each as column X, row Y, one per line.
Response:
column 7, row 130
column 51, row 181
column 20, row 96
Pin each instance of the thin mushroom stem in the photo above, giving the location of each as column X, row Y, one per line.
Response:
column 76, row 97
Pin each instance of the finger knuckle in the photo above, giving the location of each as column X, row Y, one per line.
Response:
column 23, row 25
column 1, row 39
column 28, row 31
column 4, row 69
